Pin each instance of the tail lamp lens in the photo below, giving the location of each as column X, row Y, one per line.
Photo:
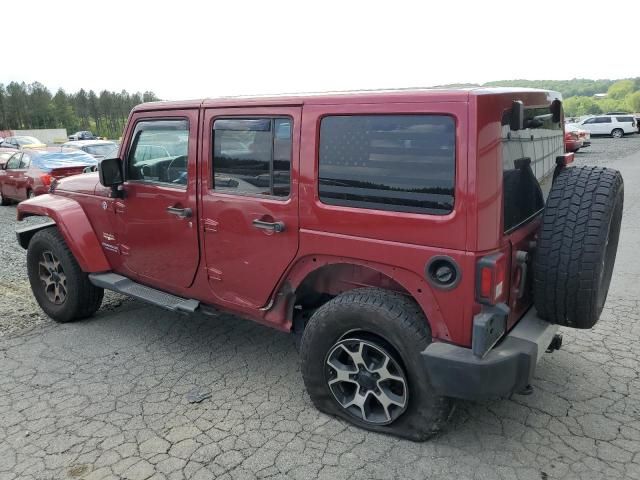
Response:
column 46, row 179
column 491, row 279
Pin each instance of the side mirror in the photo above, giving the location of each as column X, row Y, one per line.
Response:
column 110, row 172
column 517, row 115
column 556, row 111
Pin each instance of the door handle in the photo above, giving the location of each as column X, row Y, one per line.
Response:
column 180, row 212
column 276, row 227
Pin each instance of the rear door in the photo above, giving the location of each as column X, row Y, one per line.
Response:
column 157, row 229
column 21, row 179
column 249, row 200
column 528, row 159
column 603, row 125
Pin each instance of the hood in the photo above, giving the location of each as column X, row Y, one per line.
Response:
column 87, row 183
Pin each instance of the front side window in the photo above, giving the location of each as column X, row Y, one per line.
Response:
column 252, row 156
column 159, row 153
column 14, row 162
column 403, row 163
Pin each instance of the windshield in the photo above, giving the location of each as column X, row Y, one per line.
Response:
column 100, row 150
column 27, row 140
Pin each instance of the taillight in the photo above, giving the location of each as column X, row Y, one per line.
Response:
column 46, row 179
column 491, row 287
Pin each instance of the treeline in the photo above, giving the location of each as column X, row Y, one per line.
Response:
column 578, row 94
column 32, row 106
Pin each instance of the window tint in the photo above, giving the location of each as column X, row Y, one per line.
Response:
column 252, row 156
column 159, row 152
column 625, row 119
column 14, row 162
column 528, row 161
column 588, row 121
column 403, row 163
column 603, row 120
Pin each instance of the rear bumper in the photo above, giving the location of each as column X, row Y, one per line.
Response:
column 508, row 368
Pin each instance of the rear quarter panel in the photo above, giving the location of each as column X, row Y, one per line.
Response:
column 399, row 244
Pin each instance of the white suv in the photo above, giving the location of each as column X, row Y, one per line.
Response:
column 615, row 125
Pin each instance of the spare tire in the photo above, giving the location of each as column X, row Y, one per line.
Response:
column 577, row 245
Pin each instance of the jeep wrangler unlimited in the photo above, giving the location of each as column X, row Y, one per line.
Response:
column 421, row 245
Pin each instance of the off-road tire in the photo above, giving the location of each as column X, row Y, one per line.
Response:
column 397, row 323
column 577, row 245
column 83, row 299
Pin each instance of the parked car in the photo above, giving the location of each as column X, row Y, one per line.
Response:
column 401, row 237
column 576, row 138
column 96, row 148
column 615, row 125
column 30, row 172
column 83, row 135
column 5, row 154
column 22, row 141
column 638, row 123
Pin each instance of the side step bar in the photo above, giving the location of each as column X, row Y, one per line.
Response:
column 120, row 284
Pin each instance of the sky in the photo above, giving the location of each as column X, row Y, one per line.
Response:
column 188, row 49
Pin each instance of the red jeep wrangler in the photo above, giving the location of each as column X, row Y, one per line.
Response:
column 421, row 245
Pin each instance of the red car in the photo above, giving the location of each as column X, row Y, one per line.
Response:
column 403, row 238
column 572, row 140
column 29, row 173
column 5, row 154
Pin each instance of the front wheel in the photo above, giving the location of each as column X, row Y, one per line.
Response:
column 4, row 201
column 60, row 287
column 617, row 133
column 361, row 362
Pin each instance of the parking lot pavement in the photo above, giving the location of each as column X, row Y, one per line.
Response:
column 110, row 397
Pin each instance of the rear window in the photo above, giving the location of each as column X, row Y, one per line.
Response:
column 528, row 162
column 403, row 163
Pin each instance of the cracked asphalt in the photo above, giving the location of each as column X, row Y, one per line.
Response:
column 110, row 397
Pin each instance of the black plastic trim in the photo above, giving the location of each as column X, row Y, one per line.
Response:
column 455, row 371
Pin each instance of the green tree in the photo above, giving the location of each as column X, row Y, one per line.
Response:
column 634, row 102
column 621, row 89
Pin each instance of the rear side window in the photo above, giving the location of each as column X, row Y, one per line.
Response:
column 403, row 163
column 625, row 119
column 252, row 156
column 603, row 120
column 528, row 161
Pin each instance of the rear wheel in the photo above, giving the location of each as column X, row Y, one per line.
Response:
column 577, row 245
column 361, row 361
column 4, row 201
column 617, row 133
column 60, row 287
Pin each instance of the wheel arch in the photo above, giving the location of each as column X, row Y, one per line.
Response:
column 70, row 219
column 315, row 279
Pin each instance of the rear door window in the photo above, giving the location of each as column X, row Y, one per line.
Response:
column 252, row 156
column 603, row 120
column 403, row 163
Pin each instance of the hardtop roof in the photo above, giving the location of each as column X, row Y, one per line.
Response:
column 409, row 95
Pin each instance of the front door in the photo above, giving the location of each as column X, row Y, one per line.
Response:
column 21, row 179
column 157, row 226
column 9, row 178
column 249, row 200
